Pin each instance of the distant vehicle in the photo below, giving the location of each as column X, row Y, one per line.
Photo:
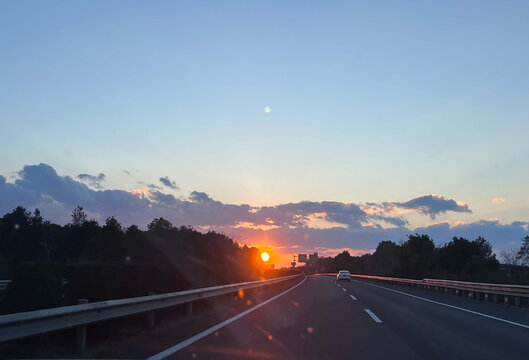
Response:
column 343, row 275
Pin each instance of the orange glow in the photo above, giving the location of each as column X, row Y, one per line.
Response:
column 265, row 257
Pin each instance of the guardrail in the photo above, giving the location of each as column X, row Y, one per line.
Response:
column 4, row 284
column 479, row 291
column 19, row 325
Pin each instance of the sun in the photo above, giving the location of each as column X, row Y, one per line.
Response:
column 265, row 257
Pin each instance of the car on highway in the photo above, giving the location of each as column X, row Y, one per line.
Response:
column 343, row 275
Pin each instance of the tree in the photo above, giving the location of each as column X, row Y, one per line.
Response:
column 133, row 229
column 510, row 257
column 160, row 225
column 112, row 225
column 36, row 219
column 386, row 258
column 78, row 216
column 523, row 253
column 417, row 256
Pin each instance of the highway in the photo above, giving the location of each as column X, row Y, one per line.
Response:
column 319, row 319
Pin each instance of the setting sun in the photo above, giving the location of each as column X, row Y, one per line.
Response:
column 265, row 257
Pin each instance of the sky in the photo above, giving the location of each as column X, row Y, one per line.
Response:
column 324, row 118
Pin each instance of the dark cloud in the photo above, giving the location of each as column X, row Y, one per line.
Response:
column 127, row 172
column 201, row 197
column 93, row 180
column 398, row 221
column 304, row 225
column 167, row 182
column 434, row 205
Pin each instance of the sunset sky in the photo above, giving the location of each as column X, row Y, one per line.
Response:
column 300, row 125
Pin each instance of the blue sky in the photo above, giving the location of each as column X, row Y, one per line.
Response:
column 373, row 101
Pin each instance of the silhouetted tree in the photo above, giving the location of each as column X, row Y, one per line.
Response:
column 112, row 225
column 160, row 225
column 418, row 256
column 78, row 216
column 523, row 253
column 386, row 259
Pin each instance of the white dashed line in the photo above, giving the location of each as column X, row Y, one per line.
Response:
column 373, row 316
column 352, row 297
column 344, row 289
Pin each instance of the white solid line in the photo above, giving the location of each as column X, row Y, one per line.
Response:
column 352, row 297
column 447, row 305
column 373, row 316
column 344, row 289
column 183, row 344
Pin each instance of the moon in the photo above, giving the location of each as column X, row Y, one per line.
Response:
column 268, row 109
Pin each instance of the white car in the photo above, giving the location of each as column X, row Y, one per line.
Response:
column 343, row 275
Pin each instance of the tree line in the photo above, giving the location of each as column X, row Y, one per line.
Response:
column 418, row 257
column 53, row 265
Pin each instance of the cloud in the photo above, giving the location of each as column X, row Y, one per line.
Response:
column 167, row 182
column 93, row 180
column 201, row 197
column 306, row 224
column 431, row 205
column 127, row 172
column 150, row 186
column 498, row 200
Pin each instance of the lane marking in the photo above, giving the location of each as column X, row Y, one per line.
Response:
column 373, row 316
column 211, row 330
column 447, row 305
column 344, row 289
column 352, row 297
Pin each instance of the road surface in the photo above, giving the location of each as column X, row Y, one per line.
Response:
column 320, row 319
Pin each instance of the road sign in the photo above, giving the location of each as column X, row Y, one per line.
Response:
column 302, row 258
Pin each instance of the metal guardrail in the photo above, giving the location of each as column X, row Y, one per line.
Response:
column 499, row 289
column 4, row 284
column 19, row 325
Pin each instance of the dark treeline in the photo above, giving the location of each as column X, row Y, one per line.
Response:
column 52, row 265
column 419, row 258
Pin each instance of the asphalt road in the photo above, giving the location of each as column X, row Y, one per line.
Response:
column 368, row 320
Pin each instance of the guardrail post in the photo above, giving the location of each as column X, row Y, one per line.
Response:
column 189, row 309
column 506, row 300
column 495, row 298
column 486, row 297
column 150, row 315
column 80, row 333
